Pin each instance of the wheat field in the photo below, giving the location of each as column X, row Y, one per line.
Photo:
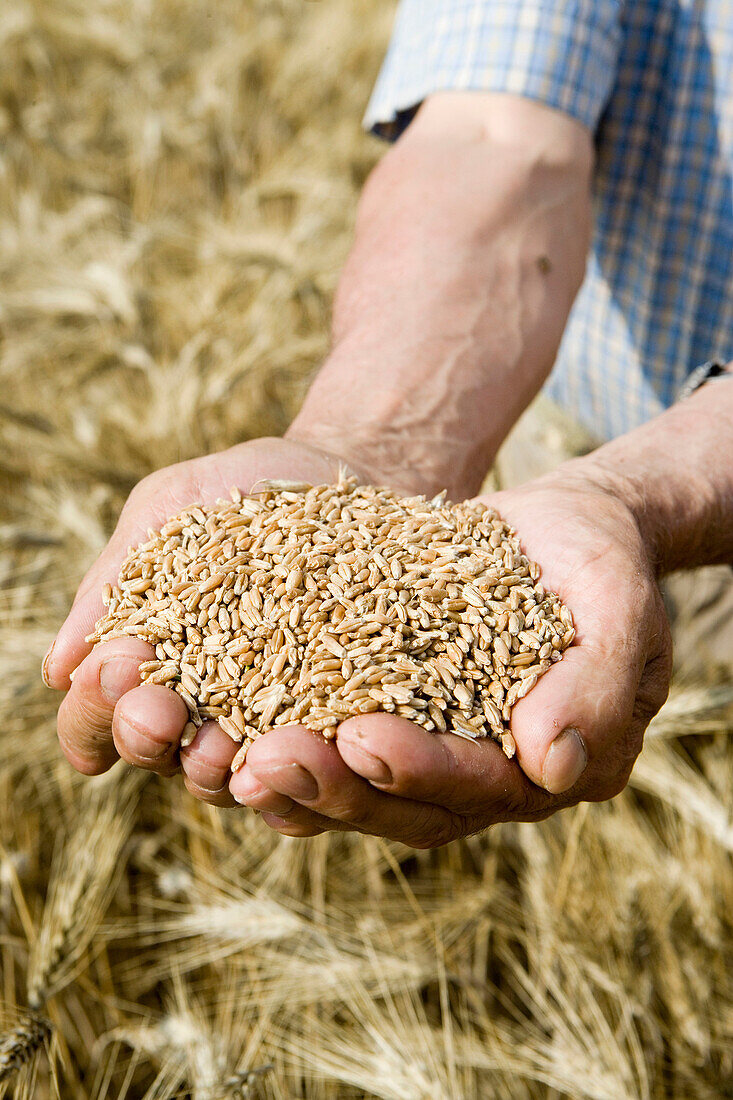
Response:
column 178, row 182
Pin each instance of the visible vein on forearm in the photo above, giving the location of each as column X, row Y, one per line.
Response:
column 449, row 314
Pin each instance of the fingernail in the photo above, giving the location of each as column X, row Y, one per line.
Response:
column 371, row 767
column 274, row 820
column 46, row 662
column 114, row 677
column 212, row 790
column 247, row 786
column 294, row 780
column 565, row 761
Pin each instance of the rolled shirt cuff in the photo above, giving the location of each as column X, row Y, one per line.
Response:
column 563, row 53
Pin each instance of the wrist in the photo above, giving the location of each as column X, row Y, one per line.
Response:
column 627, row 492
column 377, row 450
column 592, row 477
column 675, row 477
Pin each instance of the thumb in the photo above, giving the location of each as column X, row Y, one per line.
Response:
column 70, row 646
column 149, row 505
column 578, row 712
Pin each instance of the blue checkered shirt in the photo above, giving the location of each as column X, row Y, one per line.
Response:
column 653, row 79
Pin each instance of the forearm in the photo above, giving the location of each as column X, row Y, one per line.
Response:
column 676, row 473
column 470, row 246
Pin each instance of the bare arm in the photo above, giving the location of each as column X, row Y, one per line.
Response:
column 470, row 246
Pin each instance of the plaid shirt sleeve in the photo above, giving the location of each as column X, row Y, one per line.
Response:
column 563, row 53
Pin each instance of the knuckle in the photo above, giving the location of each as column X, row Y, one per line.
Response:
column 475, row 824
column 211, row 780
column 292, row 827
column 630, row 744
column 614, row 770
column 433, row 827
column 165, row 762
column 526, row 802
column 521, row 802
column 663, row 636
column 358, row 812
column 89, row 754
column 165, row 769
column 85, row 765
column 81, row 721
column 211, row 798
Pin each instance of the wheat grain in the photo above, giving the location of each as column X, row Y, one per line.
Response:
column 20, row 1044
column 312, row 603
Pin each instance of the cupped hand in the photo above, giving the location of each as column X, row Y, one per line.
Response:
column 578, row 732
column 107, row 713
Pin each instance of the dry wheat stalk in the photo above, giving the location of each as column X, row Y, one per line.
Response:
column 20, row 1044
column 85, row 869
column 312, row 604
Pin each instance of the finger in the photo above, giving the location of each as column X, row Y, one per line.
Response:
column 653, row 689
column 251, row 792
column 206, row 765
column 85, row 714
column 290, row 827
column 576, row 716
column 473, row 779
column 573, row 731
column 279, row 811
column 293, row 761
column 650, row 697
column 147, row 727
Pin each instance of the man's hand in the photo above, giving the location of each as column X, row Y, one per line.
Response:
column 107, row 713
column 578, row 732
column 382, row 774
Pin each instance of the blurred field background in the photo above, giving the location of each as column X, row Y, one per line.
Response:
column 178, row 181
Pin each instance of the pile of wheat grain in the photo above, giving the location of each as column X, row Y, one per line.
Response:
column 312, row 604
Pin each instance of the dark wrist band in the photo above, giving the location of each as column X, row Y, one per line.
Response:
column 706, row 373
